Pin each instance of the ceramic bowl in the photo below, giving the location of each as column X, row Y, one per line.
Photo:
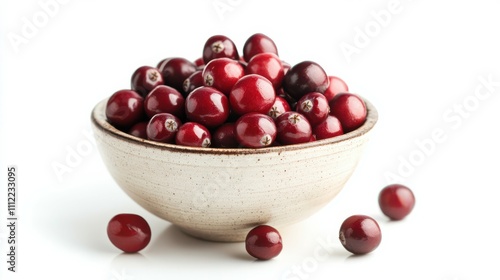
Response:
column 220, row 194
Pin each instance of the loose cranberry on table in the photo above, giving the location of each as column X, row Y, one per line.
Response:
column 279, row 107
column 164, row 99
column 219, row 46
column 258, row 43
column 194, row 135
column 194, row 81
column 129, row 232
column 255, row 130
column 225, row 137
column 293, row 128
column 350, row 109
column 175, row 71
column 145, row 79
column 328, row 128
column 305, row 77
column 222, row 74
column 207, row 106
column 269, row 66
column 163, row 127
column 252, row 93
column 314, row 107
column 125, row 108
column 336, row 86
column 360, row 234
column 396, row 201
column 139, row 130
column 263, row 242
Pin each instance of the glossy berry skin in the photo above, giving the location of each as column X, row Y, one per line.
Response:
column 350, row 109
column 258, row 43
column 252, row 93
column 279, row 107
column 139, row 130
column 263, row 242
column 314, row 106
column 164, row 99
column 222, row 74
column 194, row 81
column 125, row 108
column 207, row 106
column 219, row 46
column 145, row 79
column 336, row 86
column 360, row 234
column 175, row 70
column 396, row 201
column 255, row 130
column 199, row 62
column 194, row 135
column 269, row 66
column 163, row 127
column 305, row 77
column 225, row 137
column 328, row 128
column 293, row 128
column 129, row 232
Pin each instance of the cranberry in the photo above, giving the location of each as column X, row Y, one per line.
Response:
column 255, row 130
column 207, row 106
column 164, row 99
column 199, row 62
column 279, row 107
column 163, row 127
column 219, row 46
column 222, row 74
column 125, row 108
column 139, row 130
column 252, row 93
column 145, row 79
column 328, row 128
column 194, row 135
column 129, row 232
column 305, row 77
column 192, row 82
column 175, row 70
column 360, row 234
column 396, row 201
column 258, row 43
column 286, row 66
column 263, row 242
column 225, row 137
column 349, row 109
column 314, row 107
column 293, row 128
column 267, row 65
column 336, row 86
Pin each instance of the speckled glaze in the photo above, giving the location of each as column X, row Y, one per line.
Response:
column 220, row 194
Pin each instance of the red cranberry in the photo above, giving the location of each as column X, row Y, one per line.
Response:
column 162, row 62
column 207, row 106
column 293, row 128
column 175, row 70
column 286, row 66
column 225, row 137
column 305, row 77
column 139, row 130
column 163, row 127
column 252, row 93
column 164, row 99
column 328, row 128
column 336, row 86
column 194, row 135
column 279, row 107
column 314, row 107
column 258, row 43
column 396, row 201
column 222, row 74
column 129, row 232
column 360, row 234
column 192, row 82
column 263, row 242
column 267, row 65
column 219, row 46
column 255, row 130
column 124, row 108
column 349, row 109
column 145, row 79
column 199, row 62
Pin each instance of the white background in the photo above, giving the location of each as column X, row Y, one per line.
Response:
column 418, row 68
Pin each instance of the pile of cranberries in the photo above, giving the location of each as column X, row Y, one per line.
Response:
column 225, row 100
column 359, row 234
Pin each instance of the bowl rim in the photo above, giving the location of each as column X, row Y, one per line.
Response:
column 98, row 119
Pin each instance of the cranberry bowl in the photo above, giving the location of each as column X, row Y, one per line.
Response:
column 220, row 194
